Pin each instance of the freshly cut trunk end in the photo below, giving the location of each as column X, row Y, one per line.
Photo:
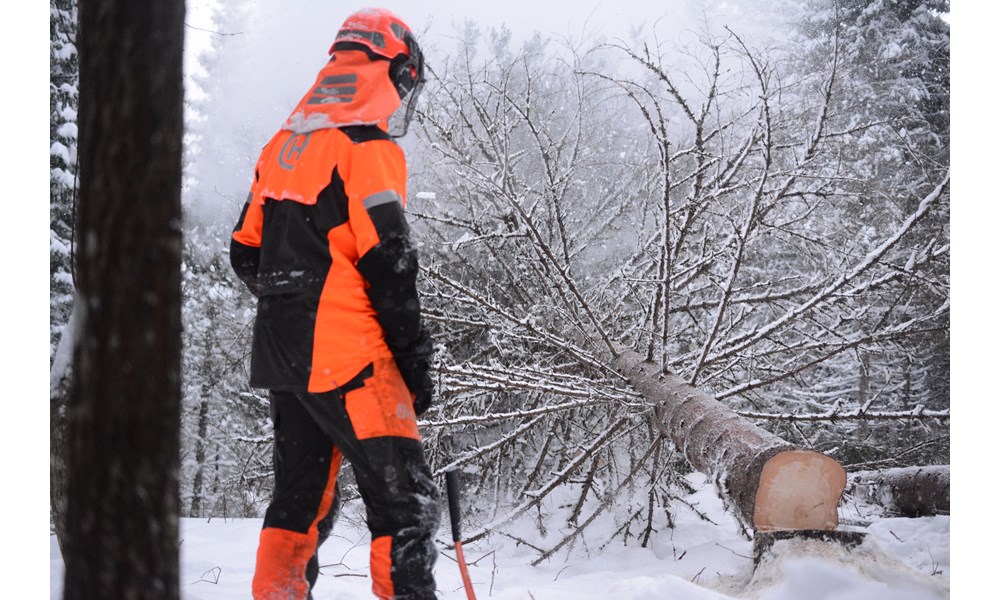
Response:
column 799, row 489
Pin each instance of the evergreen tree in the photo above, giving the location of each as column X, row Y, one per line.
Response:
column 892, row 108
column 63, row 102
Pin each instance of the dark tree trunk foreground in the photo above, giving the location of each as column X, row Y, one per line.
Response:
column 771, row 485
column 124, row 407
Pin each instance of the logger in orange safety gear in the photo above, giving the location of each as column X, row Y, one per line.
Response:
column 338, row 340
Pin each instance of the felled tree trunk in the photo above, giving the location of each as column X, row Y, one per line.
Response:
column 771, row 485
column 907, row 491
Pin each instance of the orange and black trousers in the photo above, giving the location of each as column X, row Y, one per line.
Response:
column 313, row 433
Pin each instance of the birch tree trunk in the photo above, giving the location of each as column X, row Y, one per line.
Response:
column 124, row 404
column 771, row 485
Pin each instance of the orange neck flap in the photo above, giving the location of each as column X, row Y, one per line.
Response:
column 349, row 90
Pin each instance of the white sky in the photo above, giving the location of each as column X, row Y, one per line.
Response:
column 522, row 16
column 436, row 21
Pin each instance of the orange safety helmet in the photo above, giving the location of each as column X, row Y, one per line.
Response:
column 381, row 33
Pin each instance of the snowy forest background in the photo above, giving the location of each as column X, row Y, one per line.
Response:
column 762, row 210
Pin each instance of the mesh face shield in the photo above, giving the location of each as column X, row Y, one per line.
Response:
column 399, row 123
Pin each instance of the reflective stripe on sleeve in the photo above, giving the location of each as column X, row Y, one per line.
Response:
column 382, row 198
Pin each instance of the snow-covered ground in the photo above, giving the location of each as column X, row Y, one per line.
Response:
column 700, row 559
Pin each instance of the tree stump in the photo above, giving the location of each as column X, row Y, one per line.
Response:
column 763, row 542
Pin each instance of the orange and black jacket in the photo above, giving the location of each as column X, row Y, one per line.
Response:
column 324, row 245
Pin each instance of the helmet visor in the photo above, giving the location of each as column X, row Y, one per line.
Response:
column 399, row 123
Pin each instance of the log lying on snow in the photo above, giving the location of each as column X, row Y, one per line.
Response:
column 771, row 485
column 907, row 491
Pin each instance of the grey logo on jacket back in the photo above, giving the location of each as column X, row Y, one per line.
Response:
column 292, row 150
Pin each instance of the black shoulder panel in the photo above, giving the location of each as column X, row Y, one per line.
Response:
column 365, row 133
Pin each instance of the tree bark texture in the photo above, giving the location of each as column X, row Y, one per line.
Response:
column 124, row 405
column 770, row 484
column 907, row 491
column 198, row 484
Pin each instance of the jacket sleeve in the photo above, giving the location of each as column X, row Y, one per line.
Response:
column 244, row 246
column 376, row 191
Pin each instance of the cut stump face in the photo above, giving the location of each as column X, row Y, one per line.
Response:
column 799, row 489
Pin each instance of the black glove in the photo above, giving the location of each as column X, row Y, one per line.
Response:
column 414, row 365
column 423, row 396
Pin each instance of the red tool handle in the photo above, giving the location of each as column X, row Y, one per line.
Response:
column 455, row 512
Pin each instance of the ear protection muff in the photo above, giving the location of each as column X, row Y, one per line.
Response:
column 406, row 71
